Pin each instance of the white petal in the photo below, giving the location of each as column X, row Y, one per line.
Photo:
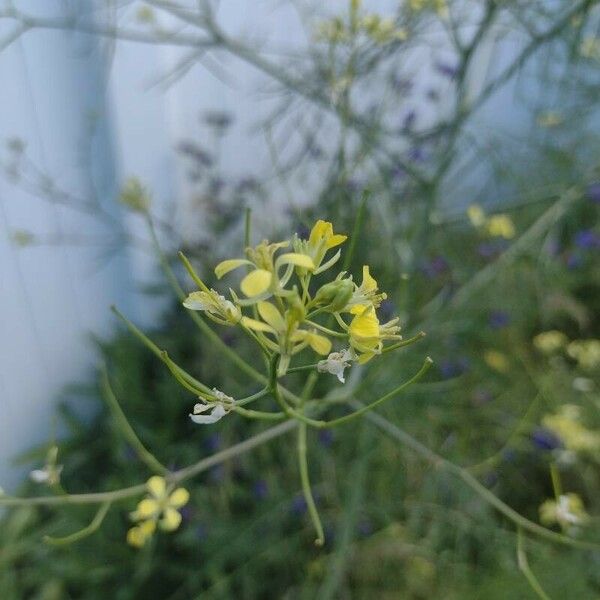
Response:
column 217, row 413
column 39, row 475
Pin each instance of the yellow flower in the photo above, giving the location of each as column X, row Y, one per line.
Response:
column 568, row 427
column 549, row 342
column 367, row 292
column 549, row 118
column 496, row 360
column 567, row 511
column 265, row 278
column 159, row 507
column 586, row 353
column 320, row 240
column 135, row 196
column 501, row 226
column 476, row 215
column 367, row 334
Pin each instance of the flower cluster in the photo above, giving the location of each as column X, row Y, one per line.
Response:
column 498, row 226
column 160, row 507
column 575, row 436
column 585, row 352
column 380, row 30
column 285, row 307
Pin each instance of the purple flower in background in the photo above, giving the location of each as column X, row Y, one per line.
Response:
column 544, row 439
column 187, row 513
column 499, row 319
column 490, row 479
column 593, row 192
column 213, row 442
column 553, row 247
column 365, row 528
column 573, row 261
column 387, row 310
column 325, row 437
column 446, row 70
column 587, row 239
column 453, row 367
column 435, row 267
column 299, row 505
column 492, row 249
column 402, row 85
column 417, row 154
column 398, row 173
column 509, row 455
column 260, row 489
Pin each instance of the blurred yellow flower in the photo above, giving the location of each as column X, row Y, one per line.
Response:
column 567, row 511
column 549, row 342
column 496, row 360
column 501, row 226
column 586, row 353
column 549, row 118
column 566, row 424
column 476, row 215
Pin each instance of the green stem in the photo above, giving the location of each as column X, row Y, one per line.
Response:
column 525, row 569
column 259, row 414
column 441, row 463
column 82, row 533
column 192, row 272
column 126, row 429
column 172, row 478
column 306, row 489
column 206, row 330
column 426, row 365
column 404, row 343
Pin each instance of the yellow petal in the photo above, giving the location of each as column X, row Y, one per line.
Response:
column 179, row 498
column 146, row 508
column 156, row 486
column 257, row 282
column 368, row 283
column 171, row 519
column 148, row 527
column 363, row 358
column 229, row 265
column 257, row 325
column 295, row 258
column 336, row 240
column 319, row 343
column 320, row 230
column 136, row 537
column 271, row 315
column 365, row 325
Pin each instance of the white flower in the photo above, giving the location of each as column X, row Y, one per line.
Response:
column 218, row 409
column 564, row 514
column 217, row 413
column 336, row 362
column 49, row 475
column 217, row 307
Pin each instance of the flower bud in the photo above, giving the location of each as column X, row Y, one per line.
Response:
column 336, row 294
